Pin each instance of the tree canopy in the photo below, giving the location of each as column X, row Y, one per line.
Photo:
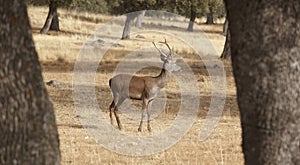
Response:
column 119, row 7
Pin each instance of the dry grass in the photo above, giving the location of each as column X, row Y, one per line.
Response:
column 58, row 52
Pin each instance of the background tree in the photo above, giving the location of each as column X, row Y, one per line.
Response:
column 197, row 9
column 226, row 54
column 93, row 6
column 214, row 6
column 225, row 27
column 129, row 8
column 139, row 19
column 52, row 22
column 265, row 57
column 27, row 123
column 187, row 8
column 127, row 27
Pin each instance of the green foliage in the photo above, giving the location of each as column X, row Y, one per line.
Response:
column 127, row 6
column 221, row 11
column 117, row 7
column 37, row 2
column 218, row 7
column 95, row 6
column 199, row 6
column 185, row 7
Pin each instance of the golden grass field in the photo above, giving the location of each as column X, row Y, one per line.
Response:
column 58, row 52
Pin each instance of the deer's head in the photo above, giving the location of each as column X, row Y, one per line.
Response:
column 169, row 62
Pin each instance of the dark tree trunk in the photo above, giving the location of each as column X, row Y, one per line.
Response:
column 192, row 21
column 27, row 123
column 210, row 16
column 55, row 22
column 52, row 21
column 126, row 31
column 226, row 54
column 139, row 19
column 265, row 46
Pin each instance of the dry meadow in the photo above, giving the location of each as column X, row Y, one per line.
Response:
column 58, row 52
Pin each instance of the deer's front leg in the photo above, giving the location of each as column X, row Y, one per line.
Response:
column 148, row 114
column 144, row 109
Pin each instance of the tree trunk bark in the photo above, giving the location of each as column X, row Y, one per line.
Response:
column 126, row 31
column 265, row 45
column 226, row 54
column 52, row 21
column 192, row 21
column 210, row 16
column 139, row 19
column 55, row 21
column 27, row 123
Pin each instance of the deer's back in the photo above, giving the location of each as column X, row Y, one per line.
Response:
column 129, row 86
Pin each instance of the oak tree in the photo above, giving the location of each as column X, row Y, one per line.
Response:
column 265, row 46
column 27, row 123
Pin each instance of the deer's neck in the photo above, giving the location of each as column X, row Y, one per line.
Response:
column 163, row 78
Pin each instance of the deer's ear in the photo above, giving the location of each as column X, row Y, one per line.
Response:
column 163, row 57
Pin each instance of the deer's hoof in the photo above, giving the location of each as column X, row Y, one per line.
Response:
column 140, row 129
column 149, row 129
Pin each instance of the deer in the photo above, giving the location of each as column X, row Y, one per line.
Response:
column 143, row 88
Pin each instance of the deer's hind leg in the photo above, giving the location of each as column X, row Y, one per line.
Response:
column 111, row 108
column 117, row 102
column 144, row 110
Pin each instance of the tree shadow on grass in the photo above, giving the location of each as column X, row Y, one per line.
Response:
column 36, row 30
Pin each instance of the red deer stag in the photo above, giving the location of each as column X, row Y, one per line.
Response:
column 141, row 88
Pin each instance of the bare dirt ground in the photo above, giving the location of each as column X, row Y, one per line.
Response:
column 58, row 52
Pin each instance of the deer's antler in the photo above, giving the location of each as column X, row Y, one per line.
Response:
column 160, row 51
column 170, row 54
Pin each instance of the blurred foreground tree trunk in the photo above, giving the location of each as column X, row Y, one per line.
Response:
column 265, row 46
column 27, row 123
column 52, row 21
